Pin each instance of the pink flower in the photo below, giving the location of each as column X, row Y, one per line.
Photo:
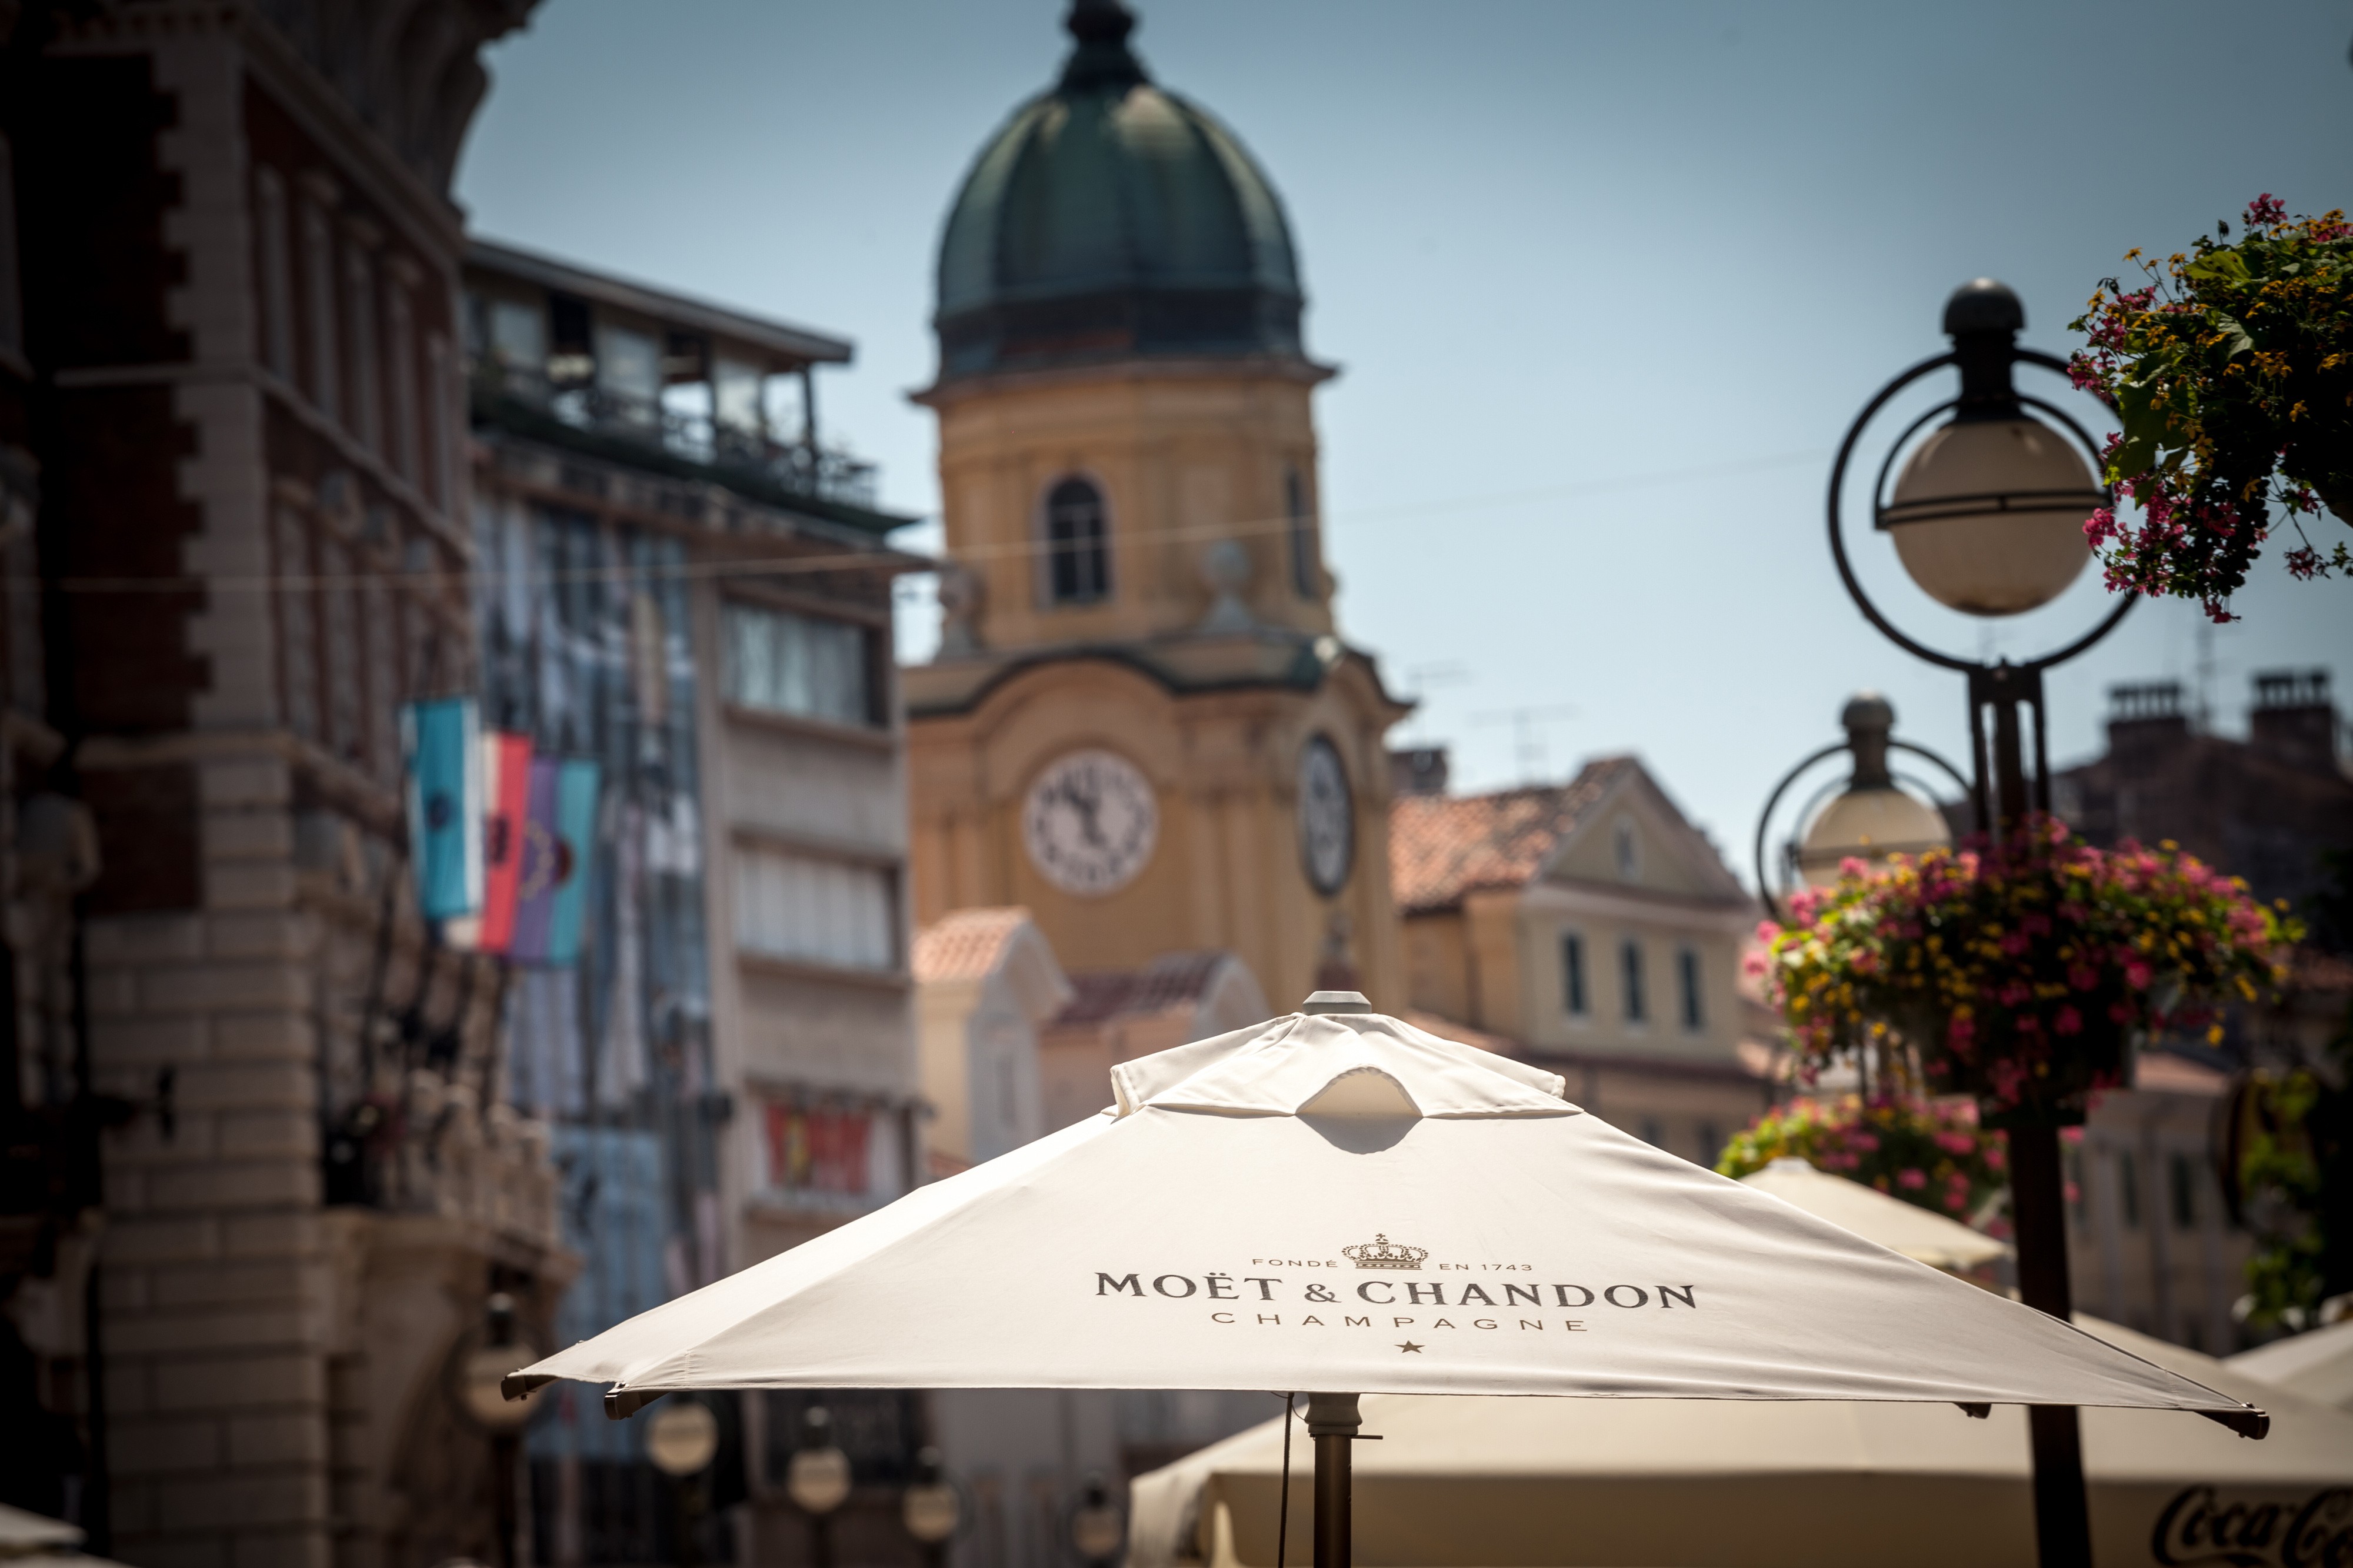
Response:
column 2068, row 1022
column 1912, row 1179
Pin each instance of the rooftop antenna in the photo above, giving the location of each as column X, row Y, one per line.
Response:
column 1527, row 743
column 1419, row 678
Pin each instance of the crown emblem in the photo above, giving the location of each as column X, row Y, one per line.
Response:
column 1382, row 1253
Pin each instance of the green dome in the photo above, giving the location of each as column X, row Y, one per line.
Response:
column 1109, row 219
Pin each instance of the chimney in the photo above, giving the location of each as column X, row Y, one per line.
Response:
column 2294, row 722
column 1417, row 770
column 2146, row 721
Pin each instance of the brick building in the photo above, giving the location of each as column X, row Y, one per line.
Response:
column 230, row 431
column 2151, row 1242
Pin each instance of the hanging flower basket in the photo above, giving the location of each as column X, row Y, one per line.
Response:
column 2232, row 372
column 1929, row 1152
column 2018, row 973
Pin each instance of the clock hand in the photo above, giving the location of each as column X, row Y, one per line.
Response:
column 1090, row 804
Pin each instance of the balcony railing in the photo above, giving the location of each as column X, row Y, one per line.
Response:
column 826, row 473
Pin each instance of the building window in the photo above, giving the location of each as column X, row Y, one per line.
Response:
column 1627, row 847
column 339, row 604
column 1654, row 1133
column 1572, row 975
column 781, row 662
column 297, row 632
column 629, row 376
column 12, row 299
column 319, row 299
column 2129, row 1188
column 1711, row 1143
column 400, row 345
column 1630, row 974
column 823, row 1150
column 438, row 395
column 817, row 911
column 518, row 344
column 2182, row 1179
column 1302, row 535
column 367, row 397
column 1078, row 558
column 1687, row 990
column 277, row 283
column 381, row 673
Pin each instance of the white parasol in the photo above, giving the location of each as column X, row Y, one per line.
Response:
column 1899, row 1226
column 1342, row 1204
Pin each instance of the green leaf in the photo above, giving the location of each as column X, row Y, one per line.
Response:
column 2144, row 430
column 2235, row 340
column 2219, row 264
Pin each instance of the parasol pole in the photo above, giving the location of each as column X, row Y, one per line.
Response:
column 1332, row 1421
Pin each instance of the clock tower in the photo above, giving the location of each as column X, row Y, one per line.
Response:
column 1142, row 722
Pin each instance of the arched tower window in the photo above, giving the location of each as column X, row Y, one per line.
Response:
column 1303, row 574
column 1078, row 556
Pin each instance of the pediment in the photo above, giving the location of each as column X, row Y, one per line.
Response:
column 1635, row 839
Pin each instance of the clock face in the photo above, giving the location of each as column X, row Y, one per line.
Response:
column 1090, row 822
column 1327, row 816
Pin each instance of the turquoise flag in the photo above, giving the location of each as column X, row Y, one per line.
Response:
column 575, row 836
column 445, row 805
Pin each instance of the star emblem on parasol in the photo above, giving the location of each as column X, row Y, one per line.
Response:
column 1411, row 1346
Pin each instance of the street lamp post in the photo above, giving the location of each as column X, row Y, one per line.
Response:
column 682, row 1441
column 499, row 1353
column 1871, row 819
column 931, row 1510
column 818, row 1480
column 1098, row 1527
column 1987, row 518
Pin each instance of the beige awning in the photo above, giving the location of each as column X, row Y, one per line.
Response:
column 1519, row 1483
column 30, row 1540
column 1899, row 1226
column 2318, row 1364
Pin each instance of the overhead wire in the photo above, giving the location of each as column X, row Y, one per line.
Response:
column 482, row 576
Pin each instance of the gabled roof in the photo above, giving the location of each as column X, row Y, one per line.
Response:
column 1171, row 981
column 966, row 944
column 1443, row 846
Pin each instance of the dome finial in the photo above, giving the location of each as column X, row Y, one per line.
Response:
column 1103, row 59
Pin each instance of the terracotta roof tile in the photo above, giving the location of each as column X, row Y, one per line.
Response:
column 1442, row 847
column 1172, row 980
column 966, row 944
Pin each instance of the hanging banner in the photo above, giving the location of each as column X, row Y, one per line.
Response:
column 575, row 823
column 506, row 790
column 445, row 805
column 559, row 825
column 537, row 870
column 507, row 759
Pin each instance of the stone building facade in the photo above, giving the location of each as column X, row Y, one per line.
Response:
column 677, row 580
column 1588, row 927
column 235, row 420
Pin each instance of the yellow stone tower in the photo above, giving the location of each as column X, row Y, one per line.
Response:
column 1140, row 722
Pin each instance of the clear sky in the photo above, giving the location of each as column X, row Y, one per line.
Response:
column 1605, row 283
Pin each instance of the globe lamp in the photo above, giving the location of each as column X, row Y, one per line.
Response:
column 683, row 1439
column 930, row 1508
column 1987, row 513
column 818, row 1479
column 1098, row 1529
column 1871, row 819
